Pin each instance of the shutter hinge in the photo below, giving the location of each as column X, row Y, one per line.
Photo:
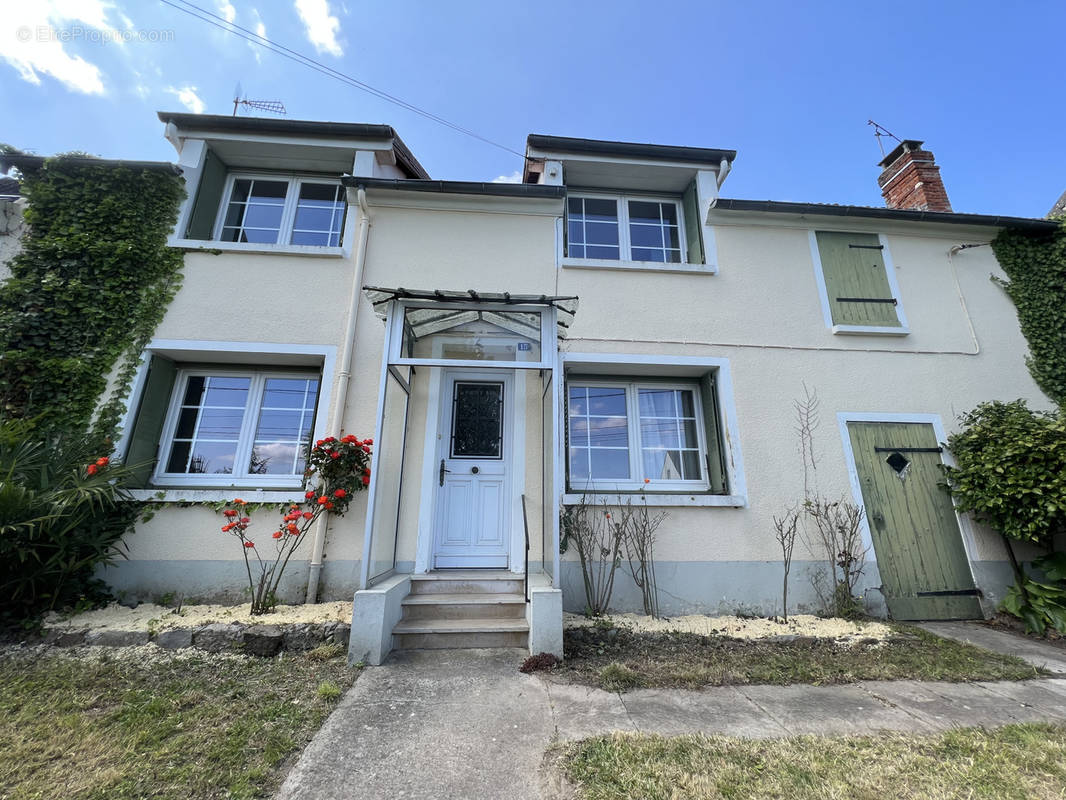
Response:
column 867, row 246
column 891, row 300
column 908, row 449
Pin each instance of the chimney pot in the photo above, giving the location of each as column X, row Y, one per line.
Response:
column 910, row 179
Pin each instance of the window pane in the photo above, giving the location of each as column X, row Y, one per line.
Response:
column 574, row 205
column 262, row 217
column 268, row 192
column 477, row 420
column 662, row 465
column 279, row 425
column 179, row 455
column 641, row 254
column 241, row 189
column 601, row 210
column 607, row 400
column 283, row 430
column 220, row 423
column 286, row 392
column 212, row 458
column 255, row 204
column 319, row 216
column 658, row 432
column 234, row 214
column 602, row 251
column 646, row 236
column 579, row 464
column 601, row 233
column 690, row 462
column 321, row 194
column 579, row 431
column 609, row 464
column 227, row 392
column 312, row 219
column 640, row 211
column 578, row 400
column 277, row 458
column 194, row 391
column 673, row 236
column 256, row 236
column 658, row 402
column 186, row 423
column 575, row 233
column 608, row 431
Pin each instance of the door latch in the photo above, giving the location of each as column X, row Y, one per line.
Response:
column 442, row 471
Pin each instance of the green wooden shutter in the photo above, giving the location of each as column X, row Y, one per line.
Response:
column 208, row 198
column 690, row 206
column 147, row 426
column 716, row 470
column 855, row 279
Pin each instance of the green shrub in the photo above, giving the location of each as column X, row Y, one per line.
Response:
column 1010, row 470
column 1041, row 605
column 62, row 513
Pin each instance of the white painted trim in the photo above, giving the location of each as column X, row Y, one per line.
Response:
column 728, row 420
column 517, row 559
column 641, row 266
column 844, row 417
column 557, row 454
column 657, row 500
column 215, row 495
column 323, row 142
column 375, row 458
column 706, row 197
column 823, row 293
column 216, row 247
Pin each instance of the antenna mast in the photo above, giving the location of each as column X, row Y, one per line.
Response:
column 881, row 130
column 273, row 106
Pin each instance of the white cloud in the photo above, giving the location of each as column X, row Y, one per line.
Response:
column 514, row 177
column 226, row 10
column 322, row 27
column 188, row 97
column 33, row 42
column 261, row 31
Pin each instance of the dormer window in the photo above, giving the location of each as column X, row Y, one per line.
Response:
column 624, row 228
column 267, row 210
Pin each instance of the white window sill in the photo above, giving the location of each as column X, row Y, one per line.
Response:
column 262, row 249
column 217, row 495
column 643, row 266
column 870, row 330
column 660, row 500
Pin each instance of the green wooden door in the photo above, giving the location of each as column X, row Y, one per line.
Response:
column 924, row 570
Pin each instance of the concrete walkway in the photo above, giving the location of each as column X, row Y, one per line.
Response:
column 467, row 724
column 1037, row 653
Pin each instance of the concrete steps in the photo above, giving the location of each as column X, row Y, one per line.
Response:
column 463, row 608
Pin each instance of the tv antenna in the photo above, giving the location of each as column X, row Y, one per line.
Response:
column 879, row 131
column 273, row 106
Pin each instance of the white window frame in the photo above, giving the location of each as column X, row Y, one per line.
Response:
column 636, row 480
column 288, row 213
column 823, row 293
column 245, row 439
column 625, row 249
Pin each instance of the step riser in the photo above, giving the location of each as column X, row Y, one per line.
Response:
column 466, row 611
column 467, row 587
column 451, row 641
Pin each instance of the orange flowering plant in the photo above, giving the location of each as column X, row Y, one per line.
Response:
column 336, row 470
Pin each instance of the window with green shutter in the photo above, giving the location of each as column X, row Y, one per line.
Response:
column 858, row 287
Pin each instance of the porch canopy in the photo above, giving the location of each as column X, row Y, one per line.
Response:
column 465, row 329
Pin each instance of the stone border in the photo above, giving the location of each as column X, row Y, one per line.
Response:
column 255, row 640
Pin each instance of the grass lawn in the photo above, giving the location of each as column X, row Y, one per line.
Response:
column 622, row 659
column 1018, row 761
column 142, row 722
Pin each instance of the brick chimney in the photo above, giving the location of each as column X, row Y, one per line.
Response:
column 910, row 179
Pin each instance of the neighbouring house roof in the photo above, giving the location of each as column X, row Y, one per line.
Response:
column 346, row 130
column 565, row 306
column 458, row 187
column 35, row 162
column 1059, row 208
column 9, row 188
column 655, row 152
column 873, row 212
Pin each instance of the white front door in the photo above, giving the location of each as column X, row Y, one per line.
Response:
column 473, row 473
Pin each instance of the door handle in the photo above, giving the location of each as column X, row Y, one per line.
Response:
column 442, row 471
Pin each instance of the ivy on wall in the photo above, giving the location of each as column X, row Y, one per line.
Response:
column 1036, row 266
column 86, row 292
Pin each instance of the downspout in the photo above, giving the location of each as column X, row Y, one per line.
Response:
column 723, row 171
column 344, row 375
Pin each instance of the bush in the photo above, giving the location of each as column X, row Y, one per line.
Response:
column 62, row 514
column 1010, row 470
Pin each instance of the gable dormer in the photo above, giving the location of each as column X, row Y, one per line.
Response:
column 630, row 205
column 273, row 185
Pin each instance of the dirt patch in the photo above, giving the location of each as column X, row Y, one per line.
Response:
column 150, row 617
column 841, row 630
column 620, row 658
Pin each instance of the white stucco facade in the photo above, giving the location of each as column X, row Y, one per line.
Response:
column 757, row 316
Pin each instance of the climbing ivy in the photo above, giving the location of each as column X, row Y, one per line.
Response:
column 86, row 292
column 1036, row 266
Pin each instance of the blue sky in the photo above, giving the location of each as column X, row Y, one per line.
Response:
column 789, row 85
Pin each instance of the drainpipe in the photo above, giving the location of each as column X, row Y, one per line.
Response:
column 344, row 375
column 723, row 170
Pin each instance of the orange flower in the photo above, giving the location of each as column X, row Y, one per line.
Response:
column 368, row 441
column 249, row 544
column 329, row 506
column 229, row 512
column 292, row 528
column 309, row 494
column 307, row 515
column 366, row 480
column 245, row 520
column 238, row 502
column 227, row 527
column 647, row 480
column 323, row 500
column 334, row 454
column 276, row 534
column 103, row 461
column 340, row 493
column 91, row 469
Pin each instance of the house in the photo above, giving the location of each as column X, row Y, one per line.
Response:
column 611, row 327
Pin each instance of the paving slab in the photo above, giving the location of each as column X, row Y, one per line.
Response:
column 721, row 710
column 946, row 705
column 583, row 711
column 830, row 710
column 1039, row 654
column 431, row 724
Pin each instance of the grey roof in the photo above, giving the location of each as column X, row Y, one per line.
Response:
column 1059, row 208
column 9, row 187
column 458, row 187
column 301, row 127
column 656, row 152
column 873, row 212
column 21, row 161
